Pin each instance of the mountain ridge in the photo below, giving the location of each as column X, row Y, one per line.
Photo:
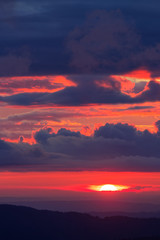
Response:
column 20, row 222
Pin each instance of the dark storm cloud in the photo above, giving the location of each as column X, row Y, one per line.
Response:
column 114, row 147
column 14, row 64
column 44, row 26
column 105, row 43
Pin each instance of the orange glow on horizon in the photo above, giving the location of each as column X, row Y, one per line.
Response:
column 70, row 184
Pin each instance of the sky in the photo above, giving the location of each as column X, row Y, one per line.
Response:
column 79, row 99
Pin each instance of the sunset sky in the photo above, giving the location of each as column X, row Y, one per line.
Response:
column 80, row 99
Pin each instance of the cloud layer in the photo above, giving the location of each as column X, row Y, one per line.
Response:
column 71, row 54
column 87, row 92
column 82, row 38
column 89, row 51
column 113, row 147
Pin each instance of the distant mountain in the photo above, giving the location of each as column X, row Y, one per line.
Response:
column 85, row 205
column 24, row 223
column 126, row 214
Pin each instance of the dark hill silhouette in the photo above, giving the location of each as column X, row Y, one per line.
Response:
column 27, row 223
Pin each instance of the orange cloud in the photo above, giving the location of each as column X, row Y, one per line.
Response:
column 30, row 84
column 139, row 74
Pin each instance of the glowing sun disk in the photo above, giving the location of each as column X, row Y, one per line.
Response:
column 111, row 187
column 108, row 187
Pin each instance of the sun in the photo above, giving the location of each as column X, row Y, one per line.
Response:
column 109, row 187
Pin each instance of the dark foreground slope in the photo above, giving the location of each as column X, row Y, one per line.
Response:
column 28, row 224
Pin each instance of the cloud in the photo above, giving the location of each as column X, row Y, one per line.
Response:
column 22, row 155
column 118, row 131
column 43, row 135
column 13, row 86
column 52, row 115
column 139, row 188
column 157, row 124
column 139, row 86
column 13, row 125
column 7, row 7
column 87, row 93
column 36, row 22
column 151, row 93
column 15, row 64
column 138, row 108
column 104, row 43
column 108, row 43
column 113, row 147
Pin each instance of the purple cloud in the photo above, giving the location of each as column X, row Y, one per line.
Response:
column 113, row 147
